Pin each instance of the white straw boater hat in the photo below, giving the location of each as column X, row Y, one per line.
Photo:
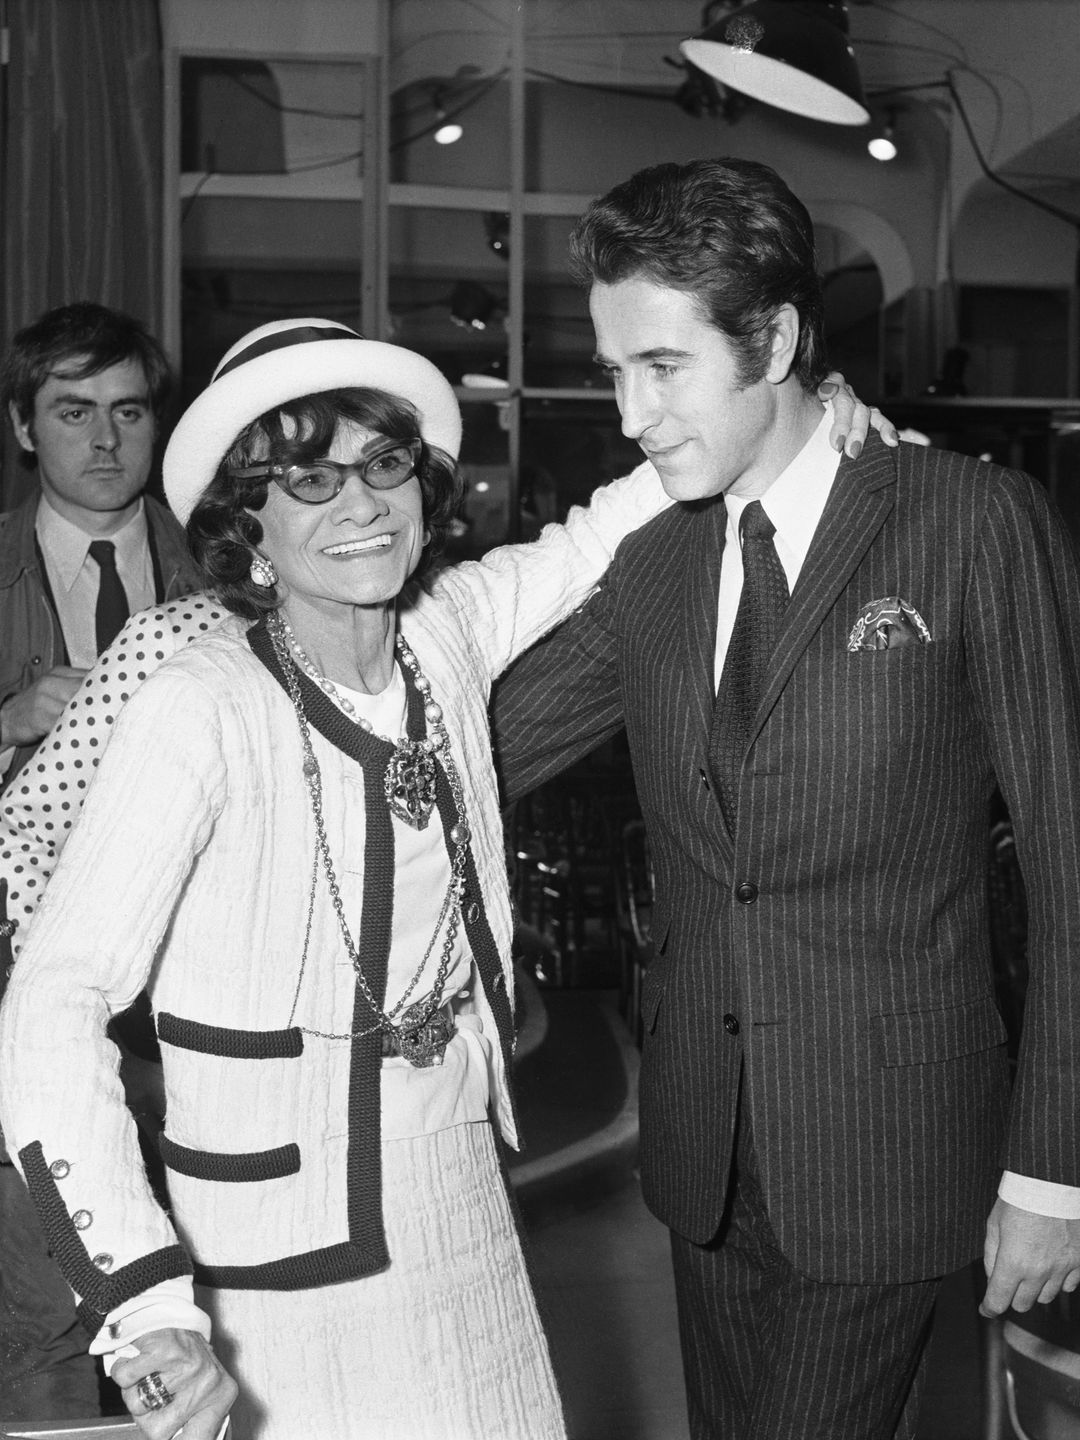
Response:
column 283, row 361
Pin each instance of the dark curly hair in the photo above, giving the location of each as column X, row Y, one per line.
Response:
column 222, row 531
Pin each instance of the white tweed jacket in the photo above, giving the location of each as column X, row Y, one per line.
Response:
column 189, row 875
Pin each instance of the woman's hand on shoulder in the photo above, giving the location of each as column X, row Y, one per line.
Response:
column 852, row 419
column 179, row 1365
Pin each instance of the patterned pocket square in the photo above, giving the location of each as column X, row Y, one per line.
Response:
column 888, row 623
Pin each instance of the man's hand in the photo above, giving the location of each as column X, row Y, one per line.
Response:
column 28, row 717
column 851, row 418
column 1027, row 1258
column 201, row 1392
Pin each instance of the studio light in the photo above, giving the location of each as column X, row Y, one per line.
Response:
column 472, row 305
column 793, row 54
column 449, row 131
column 882, row 144
column 497, row 229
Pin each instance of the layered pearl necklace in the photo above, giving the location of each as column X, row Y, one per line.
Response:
column 329, row 688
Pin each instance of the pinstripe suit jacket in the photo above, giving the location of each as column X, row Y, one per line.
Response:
column 853, row 977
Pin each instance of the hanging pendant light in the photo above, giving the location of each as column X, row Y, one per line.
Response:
column 793, row 54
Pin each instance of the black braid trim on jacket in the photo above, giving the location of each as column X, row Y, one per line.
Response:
column 297, row 1272
column 363, row 1168
column 229, row 1044
column 100, row 1292
column 481, row 941
column 243, row 1165
column 364, row 1164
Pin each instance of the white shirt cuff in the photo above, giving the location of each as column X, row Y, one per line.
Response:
column 1040, row 1197
column 168, row 1306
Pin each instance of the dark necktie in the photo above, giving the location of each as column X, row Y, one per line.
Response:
column 757, row 623
column 112, row 603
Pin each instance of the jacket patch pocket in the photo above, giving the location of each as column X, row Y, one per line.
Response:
column 247, row 1165
column 229, row 1044
column 919, row 1037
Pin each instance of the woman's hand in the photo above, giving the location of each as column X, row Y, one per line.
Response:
column 183, row 1386
column 851, row 418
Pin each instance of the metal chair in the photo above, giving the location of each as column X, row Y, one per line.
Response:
column 1038, row 1362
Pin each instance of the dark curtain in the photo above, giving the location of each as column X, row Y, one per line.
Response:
column 82, row 167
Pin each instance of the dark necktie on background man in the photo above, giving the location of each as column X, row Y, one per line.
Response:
column 112, row 602
column 753, row 638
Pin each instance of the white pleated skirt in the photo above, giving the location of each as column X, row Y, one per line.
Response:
column 445, row 1344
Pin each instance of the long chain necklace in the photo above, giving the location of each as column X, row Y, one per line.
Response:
column 421, row 1035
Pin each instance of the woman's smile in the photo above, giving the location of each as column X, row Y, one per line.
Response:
column 348, row 548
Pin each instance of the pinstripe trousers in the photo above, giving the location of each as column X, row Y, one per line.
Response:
column 769, row 1354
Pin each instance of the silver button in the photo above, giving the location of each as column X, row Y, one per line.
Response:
column 82, row 1219
column 472, row 913
column 103, row 1262
column 59, row 1168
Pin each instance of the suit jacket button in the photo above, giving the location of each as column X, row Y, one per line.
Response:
column 731, row 1025
column 58, row 1169
column 82, row 1219
column 746, row 892
column 103, row 1261
column 472, row 913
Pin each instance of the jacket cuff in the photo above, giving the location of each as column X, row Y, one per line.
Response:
column 98, row 1292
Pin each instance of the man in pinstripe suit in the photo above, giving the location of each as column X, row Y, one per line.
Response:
column 827, row 1119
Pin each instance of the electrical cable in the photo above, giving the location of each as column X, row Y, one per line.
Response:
column 992, row 175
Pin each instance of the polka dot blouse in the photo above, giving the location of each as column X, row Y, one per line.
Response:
column 43, row 801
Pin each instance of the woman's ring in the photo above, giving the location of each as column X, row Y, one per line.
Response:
column 153, row 1391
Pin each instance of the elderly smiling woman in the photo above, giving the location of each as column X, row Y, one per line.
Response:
column 293, row 843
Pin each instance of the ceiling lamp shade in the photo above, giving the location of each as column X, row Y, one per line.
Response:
column 793, row 54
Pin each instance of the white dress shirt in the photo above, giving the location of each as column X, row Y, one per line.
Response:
column 73, row 575
column 794, row 502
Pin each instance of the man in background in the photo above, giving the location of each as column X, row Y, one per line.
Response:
column 84, row 388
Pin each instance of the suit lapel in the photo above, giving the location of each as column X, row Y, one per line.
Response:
column 862, row 498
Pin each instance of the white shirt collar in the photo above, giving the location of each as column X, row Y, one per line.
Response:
column 794, row 502
column 66, row 546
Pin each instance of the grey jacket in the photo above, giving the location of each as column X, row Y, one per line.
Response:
column 31, row 641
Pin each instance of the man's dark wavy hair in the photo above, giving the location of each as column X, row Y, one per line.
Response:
column 98, row 336
column 93, row 334
column 222, row 532
column 729, row 233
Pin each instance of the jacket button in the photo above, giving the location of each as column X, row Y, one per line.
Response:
column 746, row 892
column 472, row 913
column 82, row 1219
column 731, row 1025
column 58, row 1169
column 35, row 659
column 103, row 1261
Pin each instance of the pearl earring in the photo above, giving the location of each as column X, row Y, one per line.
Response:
column 263, row 573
